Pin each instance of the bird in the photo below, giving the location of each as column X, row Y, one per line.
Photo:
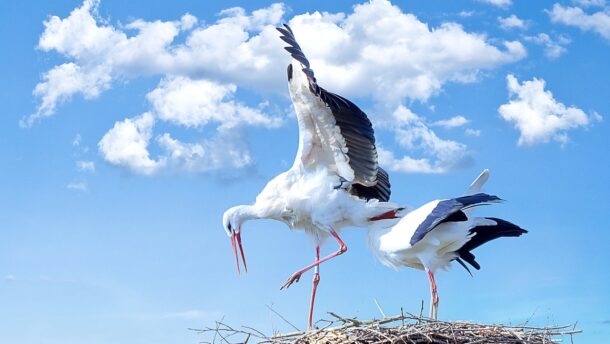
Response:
column 430, row 237
column 335, row 180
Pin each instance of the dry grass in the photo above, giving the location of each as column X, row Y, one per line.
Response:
column 403, row 328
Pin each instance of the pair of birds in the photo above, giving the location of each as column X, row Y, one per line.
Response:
column 336, row 182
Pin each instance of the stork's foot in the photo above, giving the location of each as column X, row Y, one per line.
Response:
column 293, row 279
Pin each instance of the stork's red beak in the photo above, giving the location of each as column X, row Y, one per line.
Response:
column 236, row 241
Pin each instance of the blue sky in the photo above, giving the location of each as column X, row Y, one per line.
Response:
column 128, row 129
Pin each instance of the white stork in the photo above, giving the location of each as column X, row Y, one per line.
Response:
column 432, row 236
column 335, row 181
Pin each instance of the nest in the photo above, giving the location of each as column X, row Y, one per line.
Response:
column 400, row 329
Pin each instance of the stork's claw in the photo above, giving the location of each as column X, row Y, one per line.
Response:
column 294, row 278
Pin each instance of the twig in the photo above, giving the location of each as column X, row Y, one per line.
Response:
column 281, row 317
column 380, row 309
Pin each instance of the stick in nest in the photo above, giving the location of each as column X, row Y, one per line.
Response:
column 402, row 328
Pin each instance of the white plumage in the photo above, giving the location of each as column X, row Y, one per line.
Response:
column 432, row 236
column 335, row 181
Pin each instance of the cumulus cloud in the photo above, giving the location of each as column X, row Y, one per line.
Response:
column 553, row 48
column 101, row 53
column 414, row 135
column 188, row 103
column 194, row 103
column 403, row 57
column 499, row 3
column 512, row 22
column 62, row 82
column 126, row 144
column 537, row 115
column 376, row 51
column 452, row 122
column 598, row 22
column 380, row 50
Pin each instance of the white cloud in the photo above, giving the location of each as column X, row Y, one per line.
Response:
column 64, row 81
column 453, row 122
column 414, row 135
column 80, row 186
column 377, row 47
column 574, row 16
column 10, row 278
column 553, row 48
column 499, row 3
column 223, row 151
column 194, row 103
column 472, row 132
column 381, row 51
column 466, row 14
column 190, row 103
column 537, row 115
column 590, row 3
column 512, row 22
column 126, row 144
column 376, row 51
column 102, row 53
column 76, row 140
column 85, row 166
column 188, row 21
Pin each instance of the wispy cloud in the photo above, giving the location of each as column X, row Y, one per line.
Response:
column 10, row 278
column 472, row 132
column 414, row 135
column 512, row 22
column 590, row 3
column 498, row 3
column 598, row 22
column 85, row 166
column 76, row 140
column 553, row 48
column 79, row 186
column 452, row 122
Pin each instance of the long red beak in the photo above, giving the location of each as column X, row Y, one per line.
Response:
column 236, row 241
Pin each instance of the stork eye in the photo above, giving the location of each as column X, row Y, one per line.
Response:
column 229, row 227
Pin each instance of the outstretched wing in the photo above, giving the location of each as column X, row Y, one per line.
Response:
column 329, row 124
column 450, row 210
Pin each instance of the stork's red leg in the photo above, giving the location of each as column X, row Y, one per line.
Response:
column 433, row 295
column 297, row 275
column 316, row 280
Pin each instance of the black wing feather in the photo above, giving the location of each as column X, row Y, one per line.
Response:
column 353, row 123
column 445, row 209
column 380, row 191
column 484, row 234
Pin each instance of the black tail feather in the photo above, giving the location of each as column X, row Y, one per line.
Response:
column 484, row 234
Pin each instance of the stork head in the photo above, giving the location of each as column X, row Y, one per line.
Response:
column 231, row 221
